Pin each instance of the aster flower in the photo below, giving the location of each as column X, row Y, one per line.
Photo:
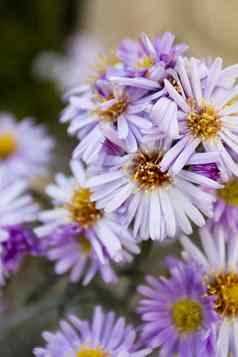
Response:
column 105, row 336
column 218, row 261
column 25, row 149
column 206, row 115
column 73, row 252
column 226, row 206
column 73, row 205
column 118, row 113
column 150, row 59
column 176, row 314
column 158, row 204
column 16, row 209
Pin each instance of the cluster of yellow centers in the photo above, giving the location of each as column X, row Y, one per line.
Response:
column 224, row 288
column 82, row 209
column 145, row 170
column 204, row 123
column 187, row 315
column 112, row 113
column 229, row 193
column 92, row 352
column 8, row 145
column 145, row 62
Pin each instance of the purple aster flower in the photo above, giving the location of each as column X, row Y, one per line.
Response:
column 226, row 207
column 176, row 314
column 218, row 261
column 16, row 209
column 150, row 59
column 105, row 336
column 206, row 114
column 25, row 149
column 72, row 250
column 158, row 204
column 20, row 242
column 118, row 113
column 74, row 205
column 210, row 170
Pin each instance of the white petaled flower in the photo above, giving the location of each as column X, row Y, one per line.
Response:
column 118, row 113
column 25, row 149
column 207, row 114
column 73, row 204
column 159, row 203
column 218, row 260
column 16, row 208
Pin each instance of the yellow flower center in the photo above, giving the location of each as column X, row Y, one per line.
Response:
column 92, row 352
column 82, row 209
column 187, row 315
column 114, row 111
column 204, row 123
column 84, row 244
column 103, row 62
column 229, row 193
column 145, row 62
column 8, row 145
column 145, row 170
column 224, row 287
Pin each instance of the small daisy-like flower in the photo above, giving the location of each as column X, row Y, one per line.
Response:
column 116, row 112
column 105, row 336
column 159, row 203
column 176, row 314
column 73, row 252
column 74, row 205
column 150, row 59
column 20, row 242
column 16, row 209
column 226, row 206
column 219, row 264
column 25, row 149
column 206, row 115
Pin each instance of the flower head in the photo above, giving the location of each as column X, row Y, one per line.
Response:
column 150, row 59
column 112, row 112
column 218, row 262
column 206, row 114
column 158, row 203
column 176, row 314
column 74, row 205
column 25, row 149
column 104, row 336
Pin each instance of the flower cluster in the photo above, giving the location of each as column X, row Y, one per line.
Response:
column 157, row 157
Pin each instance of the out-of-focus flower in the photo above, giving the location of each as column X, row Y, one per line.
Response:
column 73, row 68
column 25, row 149
column 72, row 250
column 16, row 209
column 73, row 204
column 176, row 314
column 150, row 59
column 105, row 336
column 219, row 264
column 206, row 115
column 115, row 112
column 159, row 203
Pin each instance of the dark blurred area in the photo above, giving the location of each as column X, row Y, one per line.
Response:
column 27, row 28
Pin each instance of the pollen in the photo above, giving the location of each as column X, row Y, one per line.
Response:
column 103, row 63
column 145, row 170
column 83, row 210
column 112, row 113
column 145, row 62
column 92, row 352
column 187, row 315
column 229, row 193
column 204, row 123
column 224, row 288
column 8, row 145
